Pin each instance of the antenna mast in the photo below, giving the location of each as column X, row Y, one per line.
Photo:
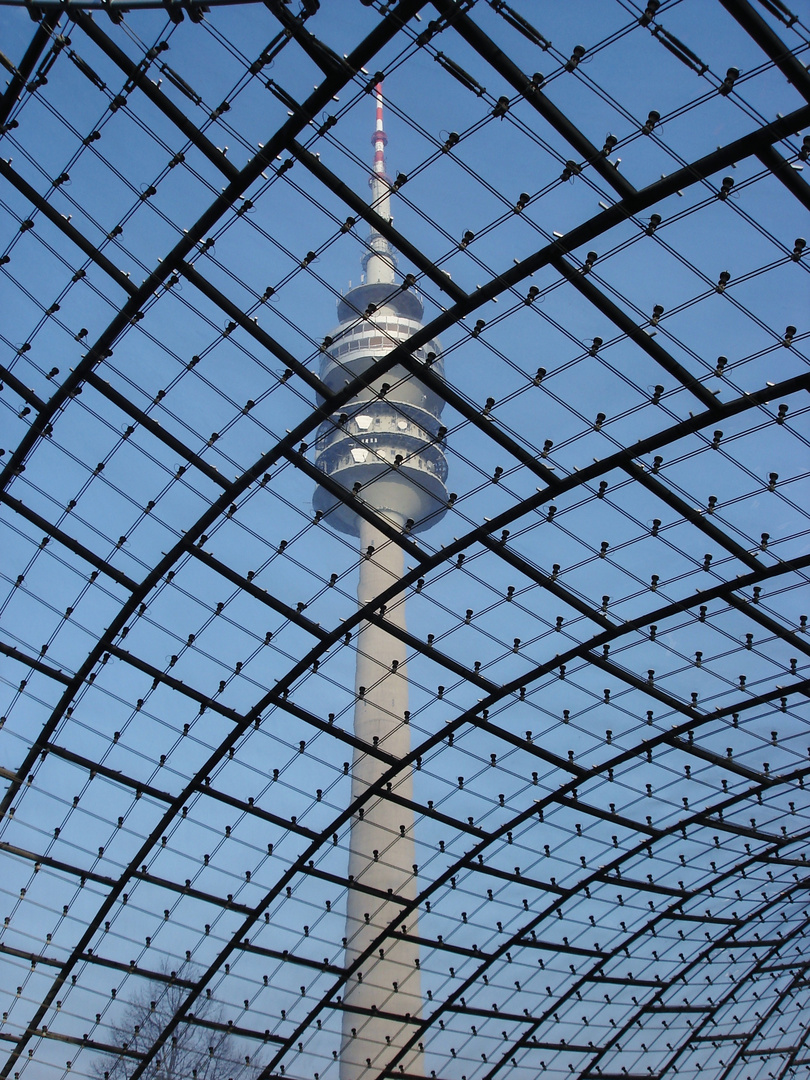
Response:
column 379, row 262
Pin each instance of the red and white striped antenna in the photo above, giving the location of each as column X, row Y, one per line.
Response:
column 379, row 139
column 380, row 261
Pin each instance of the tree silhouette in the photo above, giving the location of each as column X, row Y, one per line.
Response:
column 198, row 1049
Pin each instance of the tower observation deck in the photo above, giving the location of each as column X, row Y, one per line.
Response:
column 385, row 445
column 387, row 441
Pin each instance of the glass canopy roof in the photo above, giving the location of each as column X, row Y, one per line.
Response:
column 602, row 208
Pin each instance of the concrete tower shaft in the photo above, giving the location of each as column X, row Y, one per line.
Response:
column 382, row 854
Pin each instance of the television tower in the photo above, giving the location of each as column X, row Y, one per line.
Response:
column 385, row 446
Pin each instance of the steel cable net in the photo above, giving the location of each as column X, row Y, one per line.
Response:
column 588, row 784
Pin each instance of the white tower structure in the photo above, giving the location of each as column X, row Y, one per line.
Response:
column 385, row 445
